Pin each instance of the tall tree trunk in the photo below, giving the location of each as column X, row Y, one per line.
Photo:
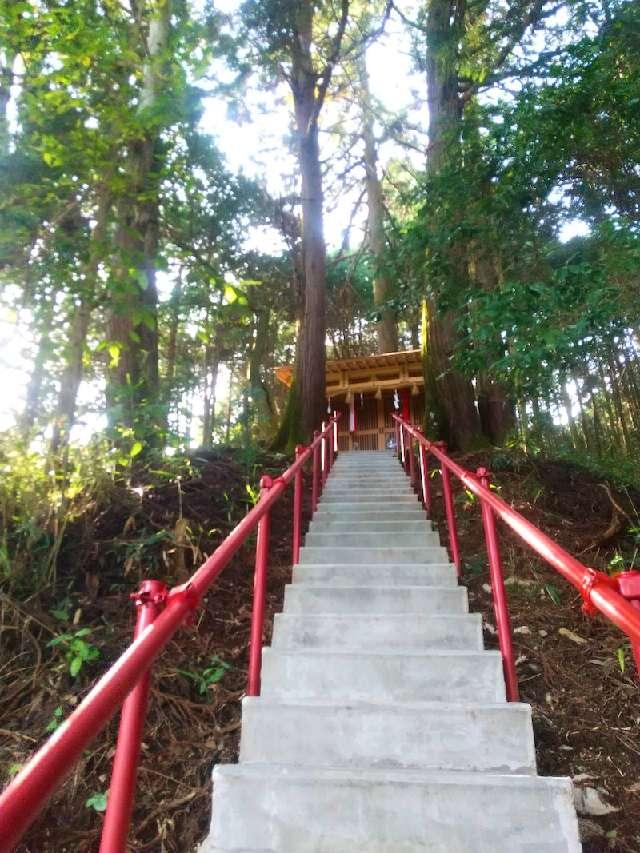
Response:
column 568, row 407
column 210, row 366
column 617, row 402
column 7, row 58
column 33, row 401
column 309, row 87
column 495, row 407
column 459, row 421
column 134, row 394
column 81, row 317
column 209, row 414
column 386, row 327
column 258, row 391
column 311, row 372
column 227, row 431
column 172, row 340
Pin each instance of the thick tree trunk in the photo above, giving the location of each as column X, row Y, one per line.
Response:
column 311, row 375
column 458, row 420
column 495, row 407
column 134, row 397
column 386, row 327
column 455, row 393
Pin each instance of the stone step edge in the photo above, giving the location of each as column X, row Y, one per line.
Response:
column 399, row 652
column 391, row 776
column 474, row 616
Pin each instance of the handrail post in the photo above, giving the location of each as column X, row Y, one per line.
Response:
column 324, row 457
column 407, row 452
column 500, row 606
column 629, row 586
column 297, row 508
column 149, row 601
column 447, row 494
column 412, row 463
column 335, row 432
column 330, row 445
column 424, row 474
column 315, row 477
column 259, row 596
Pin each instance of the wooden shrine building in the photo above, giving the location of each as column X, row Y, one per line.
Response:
column 367, row 390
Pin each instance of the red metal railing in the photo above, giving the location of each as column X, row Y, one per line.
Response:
column 160, row 612
column 617, row 597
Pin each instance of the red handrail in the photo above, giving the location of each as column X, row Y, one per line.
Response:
column 617, row 597
column 25, row 796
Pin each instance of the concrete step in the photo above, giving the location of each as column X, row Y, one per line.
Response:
column 312, row 598
column 360, row 735
column 366, row 472
column 346, row 480
column 380, row 468
column 386, row 539
column 382, row 725
column 349, row 493
column 361, row 460
column 368, row 632
column 366, row 574
column 285, row 809
column 365, row 525
column 398, row 675
column 383, row 512
column 386, row 462
column 369, row 498
column 326, row 554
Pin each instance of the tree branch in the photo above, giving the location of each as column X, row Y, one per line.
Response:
column 325, row 77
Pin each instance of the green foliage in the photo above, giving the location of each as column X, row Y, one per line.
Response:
column 209, row 676
column 254, row 493
column 56, row 719
column 553, row 593
column 97, row 801
column 77, row 650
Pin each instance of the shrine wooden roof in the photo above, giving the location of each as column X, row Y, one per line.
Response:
column 367, row 372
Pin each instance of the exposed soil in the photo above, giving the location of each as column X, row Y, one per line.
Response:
column 585, row 708
column 187, row 731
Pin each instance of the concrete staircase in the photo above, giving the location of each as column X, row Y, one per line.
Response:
column 382, row 725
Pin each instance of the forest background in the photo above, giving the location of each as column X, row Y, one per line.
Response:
column 168, row 170
column 192, row 193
